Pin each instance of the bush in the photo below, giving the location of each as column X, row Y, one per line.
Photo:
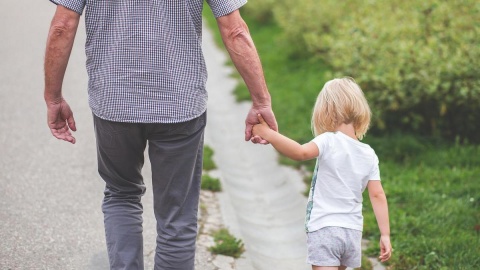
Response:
column 260, row 10
column 227, row 244
column 211, row 183
column 415, row 60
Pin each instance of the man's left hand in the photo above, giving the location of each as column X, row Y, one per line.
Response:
column 60, row 120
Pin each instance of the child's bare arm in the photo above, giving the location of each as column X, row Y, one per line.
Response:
column 380, row 208
column 285, row 145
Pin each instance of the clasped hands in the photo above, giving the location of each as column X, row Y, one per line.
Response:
column 257, row 121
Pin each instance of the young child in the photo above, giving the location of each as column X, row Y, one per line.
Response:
column 345, row 167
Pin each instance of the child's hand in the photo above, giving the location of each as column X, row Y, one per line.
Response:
column 385, row 248
column 260, row 129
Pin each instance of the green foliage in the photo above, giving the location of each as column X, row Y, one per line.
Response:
column 415, row 60
column 432, row 186
column 211, row 183
column 208, row 163
column 398, row 147
column 227, row 244
column 260, row 10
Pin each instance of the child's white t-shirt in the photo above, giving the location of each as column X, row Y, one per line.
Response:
column 344, row 167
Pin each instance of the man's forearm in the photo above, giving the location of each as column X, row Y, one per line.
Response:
column 244, row 55
column 59, row 46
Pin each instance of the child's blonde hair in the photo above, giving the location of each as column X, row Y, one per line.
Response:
column 341, row 101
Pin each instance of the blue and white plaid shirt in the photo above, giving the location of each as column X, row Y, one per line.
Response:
column 144, row 57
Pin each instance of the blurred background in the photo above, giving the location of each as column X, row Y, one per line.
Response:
column 417, row 62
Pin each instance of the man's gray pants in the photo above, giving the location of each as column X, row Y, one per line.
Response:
column 176, row 152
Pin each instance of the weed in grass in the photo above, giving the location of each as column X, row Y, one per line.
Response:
column 211, row 183
column 208, row 163
column 227, row 244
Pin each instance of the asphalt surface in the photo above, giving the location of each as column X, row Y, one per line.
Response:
column 50, row 192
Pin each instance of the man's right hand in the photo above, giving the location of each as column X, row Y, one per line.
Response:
column 252, row 119
column 60, row 120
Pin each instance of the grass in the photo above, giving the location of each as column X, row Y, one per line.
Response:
column 433, row 190
column 208, row 182
column 433, row 186
column 208, row 163
column 227, row 244
column 211, row 183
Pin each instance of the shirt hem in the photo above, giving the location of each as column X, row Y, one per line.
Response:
column 68, row 5
column 235, row 6
column 347, row 226
column 158, row 120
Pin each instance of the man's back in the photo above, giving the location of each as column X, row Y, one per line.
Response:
column 144, row 60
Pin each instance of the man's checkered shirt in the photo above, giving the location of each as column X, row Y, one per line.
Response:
column 144, row 58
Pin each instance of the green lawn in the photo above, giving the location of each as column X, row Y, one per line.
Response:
column 433, row 189
column 433, row 186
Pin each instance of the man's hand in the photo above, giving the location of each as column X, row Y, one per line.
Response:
column 252, row 119
column 60, row 120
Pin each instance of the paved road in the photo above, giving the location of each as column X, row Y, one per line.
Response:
column 50, row 192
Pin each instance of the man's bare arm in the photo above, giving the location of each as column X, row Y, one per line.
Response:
column 59, row 46
column 242, row 51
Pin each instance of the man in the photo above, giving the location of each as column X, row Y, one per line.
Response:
column 147, row 84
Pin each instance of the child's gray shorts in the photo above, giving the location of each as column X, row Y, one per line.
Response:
column 335, row 246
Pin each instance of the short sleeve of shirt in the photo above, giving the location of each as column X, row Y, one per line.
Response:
column 223, row 7
column 375, row 173
column 75, row 5
column 322, row 142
